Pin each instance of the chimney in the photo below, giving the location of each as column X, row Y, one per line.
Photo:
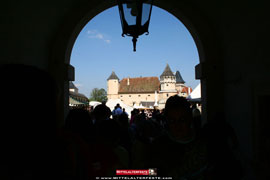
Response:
column 188, row 90
column 128, row 81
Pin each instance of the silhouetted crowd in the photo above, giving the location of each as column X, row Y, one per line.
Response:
column 171, row 140
column 97, row 143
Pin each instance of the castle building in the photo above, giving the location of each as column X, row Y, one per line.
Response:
column 76, row 98
column 147, row 91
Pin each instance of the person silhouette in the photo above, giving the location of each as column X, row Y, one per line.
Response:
column 29, row 131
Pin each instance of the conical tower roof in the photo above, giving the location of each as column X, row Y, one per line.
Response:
column 113, row 76
column 179, row 78
column 167, row 71
column 72, row 86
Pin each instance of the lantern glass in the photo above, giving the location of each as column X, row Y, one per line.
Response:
column 146, row 12
column 130, row 12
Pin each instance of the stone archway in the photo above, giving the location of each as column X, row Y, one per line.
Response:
column 209, row 70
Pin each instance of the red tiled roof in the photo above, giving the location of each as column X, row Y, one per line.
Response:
column 185, row 90
column 139, row 85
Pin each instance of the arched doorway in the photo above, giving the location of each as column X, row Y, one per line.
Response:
column 209, row 70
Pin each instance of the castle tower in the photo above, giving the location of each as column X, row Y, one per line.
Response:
column 167, row 80
column 112, row 86
column 180, row 83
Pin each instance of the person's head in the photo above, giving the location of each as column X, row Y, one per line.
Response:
column 194, row 106
column 101, row 113
column 196, row 113
column 124, row 109
column 179, row 116
column 177, row 109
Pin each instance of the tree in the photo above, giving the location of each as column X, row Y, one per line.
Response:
column 99, row 95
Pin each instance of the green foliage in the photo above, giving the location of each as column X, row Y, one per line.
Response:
column 99, row 95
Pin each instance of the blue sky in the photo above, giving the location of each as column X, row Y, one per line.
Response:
column 100, row 49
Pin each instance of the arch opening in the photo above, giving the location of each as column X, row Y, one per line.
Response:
column 88, row 17
column 159, row 34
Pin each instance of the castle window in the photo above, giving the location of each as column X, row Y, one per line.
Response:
column 167, row 95
column 129, row 95
column 114, row 81
column 121, row 96
column 139, row 95
column 167, row 84
column 148, row 94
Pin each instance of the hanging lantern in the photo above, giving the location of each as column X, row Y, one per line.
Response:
column 135, row 17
